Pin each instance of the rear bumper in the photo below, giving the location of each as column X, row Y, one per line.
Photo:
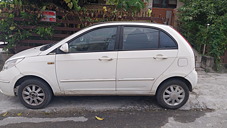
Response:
column 192, row 78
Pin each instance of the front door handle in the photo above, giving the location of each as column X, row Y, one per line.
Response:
column 160, row 56
column 105, row 58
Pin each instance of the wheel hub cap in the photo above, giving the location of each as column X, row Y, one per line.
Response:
column 33, row 95
column 174, row 95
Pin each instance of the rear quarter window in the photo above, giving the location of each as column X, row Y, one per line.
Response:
column 166, row 42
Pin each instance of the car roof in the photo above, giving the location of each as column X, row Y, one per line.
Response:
column 129, row 23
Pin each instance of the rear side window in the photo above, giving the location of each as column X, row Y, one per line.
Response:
column 137, row 38
column 142, row 38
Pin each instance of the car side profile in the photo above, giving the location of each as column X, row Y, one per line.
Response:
column 116, row 58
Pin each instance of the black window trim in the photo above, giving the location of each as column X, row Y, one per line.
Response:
column 144, row 26
column 116, row 46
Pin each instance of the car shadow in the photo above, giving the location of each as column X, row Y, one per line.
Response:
column 94, row 103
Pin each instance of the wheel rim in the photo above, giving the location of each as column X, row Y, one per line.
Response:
column 33, row 95
column 174, row 95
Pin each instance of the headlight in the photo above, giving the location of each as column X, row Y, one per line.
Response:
column 11, row 63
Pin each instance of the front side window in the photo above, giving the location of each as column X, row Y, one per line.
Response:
column 102, row 39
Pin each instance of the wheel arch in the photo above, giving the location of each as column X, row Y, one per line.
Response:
column 24, row 78
column 176, row 78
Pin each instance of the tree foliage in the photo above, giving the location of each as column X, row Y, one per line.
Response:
column 30, row 11
column 204, row 23
column 127, row 5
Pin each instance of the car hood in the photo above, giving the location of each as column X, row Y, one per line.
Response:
column 27, row 53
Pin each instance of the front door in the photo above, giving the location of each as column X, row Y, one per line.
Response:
column 146, row 54
column 90, row 64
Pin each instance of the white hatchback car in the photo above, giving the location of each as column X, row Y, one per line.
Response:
column 118, row 58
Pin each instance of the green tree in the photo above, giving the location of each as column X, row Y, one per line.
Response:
column 204, row 24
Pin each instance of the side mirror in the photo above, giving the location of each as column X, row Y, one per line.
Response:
column 65, row 48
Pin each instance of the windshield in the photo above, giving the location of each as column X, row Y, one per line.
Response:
column 45, row 47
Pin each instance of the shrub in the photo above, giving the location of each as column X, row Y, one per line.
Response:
column 204, row 24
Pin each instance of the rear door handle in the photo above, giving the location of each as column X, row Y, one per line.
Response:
column 105, row 58
column 160, row 56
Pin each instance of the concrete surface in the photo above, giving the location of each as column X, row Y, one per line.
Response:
column 112, row 119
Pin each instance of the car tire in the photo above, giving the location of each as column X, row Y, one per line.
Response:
column 34, row 94
column 172, row 94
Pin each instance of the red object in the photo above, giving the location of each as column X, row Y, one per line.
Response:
column 48, row 16
column 50, row 13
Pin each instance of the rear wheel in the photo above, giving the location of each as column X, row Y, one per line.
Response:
column 172, row 94
column 34, row 94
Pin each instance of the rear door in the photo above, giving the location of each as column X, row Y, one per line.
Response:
column 145, row 54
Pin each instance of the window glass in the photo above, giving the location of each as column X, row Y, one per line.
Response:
column 166, row 41
column 173, row 2
column 102, row 39
column 156, row 1
column 139, row 38
column 165, row 3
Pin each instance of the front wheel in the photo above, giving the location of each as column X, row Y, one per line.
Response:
column 34, row 94
column 172, row 94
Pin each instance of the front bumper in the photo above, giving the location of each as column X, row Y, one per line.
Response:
column 8, row 79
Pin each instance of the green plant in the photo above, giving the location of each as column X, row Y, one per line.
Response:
column 73, row 4
column 28, row 14
column 127, row 5
column 44, row 32
column 204, row 24
column 11, row 33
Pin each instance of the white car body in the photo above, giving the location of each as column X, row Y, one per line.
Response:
column 118, row 72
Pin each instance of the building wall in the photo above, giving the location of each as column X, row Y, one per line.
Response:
column 179, row 4
column 150, row 4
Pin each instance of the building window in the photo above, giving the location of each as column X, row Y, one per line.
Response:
column 165, row 3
